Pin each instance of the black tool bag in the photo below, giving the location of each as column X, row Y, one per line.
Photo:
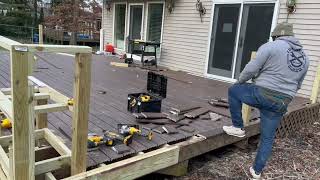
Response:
column 156, row 90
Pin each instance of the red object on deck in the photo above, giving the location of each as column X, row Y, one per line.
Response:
column 109, row 48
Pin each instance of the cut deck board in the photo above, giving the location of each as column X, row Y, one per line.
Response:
column 109, row 109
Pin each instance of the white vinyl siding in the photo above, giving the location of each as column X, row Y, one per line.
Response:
column 306, row 23
column 107, row 25
column 185, row 37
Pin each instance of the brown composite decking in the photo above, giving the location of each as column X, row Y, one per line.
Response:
column 107, row 110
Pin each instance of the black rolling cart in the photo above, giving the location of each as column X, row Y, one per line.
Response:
column 139, row 47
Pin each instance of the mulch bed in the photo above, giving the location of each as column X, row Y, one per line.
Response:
column 294, row 157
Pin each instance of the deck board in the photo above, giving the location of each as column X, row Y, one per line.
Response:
column 109, row 109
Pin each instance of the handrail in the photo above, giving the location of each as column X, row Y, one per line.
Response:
column 7, row 43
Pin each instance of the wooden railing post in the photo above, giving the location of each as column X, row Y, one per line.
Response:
column 42, row 118
column 40, row 34
column 80, row 112
column 22, row 107
column 246, row 110
column 315, row 87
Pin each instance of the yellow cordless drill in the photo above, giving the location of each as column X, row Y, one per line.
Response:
column 124, row 139
column 130, row 129
column 94, row 140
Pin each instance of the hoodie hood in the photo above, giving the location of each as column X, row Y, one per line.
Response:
column 292, row 41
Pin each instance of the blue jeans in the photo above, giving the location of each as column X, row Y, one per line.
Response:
column 272, row 105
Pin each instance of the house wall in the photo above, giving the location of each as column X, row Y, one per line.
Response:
column 107, row 24
column 306, row 23
column 185, row 38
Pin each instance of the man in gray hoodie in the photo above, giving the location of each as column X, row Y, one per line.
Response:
column 277, row 73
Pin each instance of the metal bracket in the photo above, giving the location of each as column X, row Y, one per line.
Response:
column 21, row 48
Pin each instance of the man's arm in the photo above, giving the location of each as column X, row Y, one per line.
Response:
column 303, row 76
column 301, row 80
column 254, row 66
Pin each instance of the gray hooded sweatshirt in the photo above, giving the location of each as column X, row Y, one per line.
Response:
column 280, row 65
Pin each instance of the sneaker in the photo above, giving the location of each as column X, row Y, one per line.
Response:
column 234, row 131
column 254, row 174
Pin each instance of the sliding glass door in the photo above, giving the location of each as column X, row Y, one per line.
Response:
column 255, row 31
column 135, row 23
column 120, row 25
column 237, row 30
column 223, row 39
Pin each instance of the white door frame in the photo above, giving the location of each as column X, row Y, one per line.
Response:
column 241, row 2
column 125, row 25
column 142, row 20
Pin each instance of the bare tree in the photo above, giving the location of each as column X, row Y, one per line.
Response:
column 74, row 16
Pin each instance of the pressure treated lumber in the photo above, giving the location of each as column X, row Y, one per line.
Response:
column 56, row 143
column 52, row 164
column 40, row 34
column 6, row 105
column 57, row 48
column 55, row 95
column 10, row 149
column 117, row 64
column 7, row 43
column 49, row 176
column 2, row 174
column 315, row 87
column 80, row 112
column 51, row 108
column 5, row 141
column 22, row 108
column 42, row 118
column 4, row 162
column 246, row 109
column 134, row 167
column 44, row 165
column 7, row 91
column 246, row 114
column 177, row 170
column 41, row 96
